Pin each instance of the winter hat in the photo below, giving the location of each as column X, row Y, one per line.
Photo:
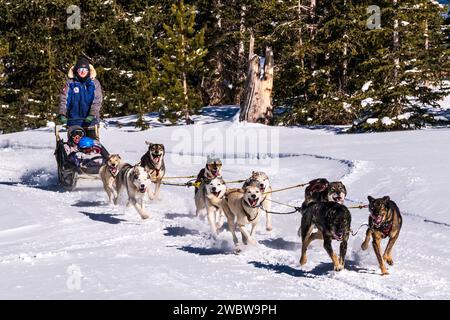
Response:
column 75, row 130
column 82, row 62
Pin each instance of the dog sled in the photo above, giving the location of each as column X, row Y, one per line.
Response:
column 68, row 173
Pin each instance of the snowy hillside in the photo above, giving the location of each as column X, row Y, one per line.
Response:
column 47, row 235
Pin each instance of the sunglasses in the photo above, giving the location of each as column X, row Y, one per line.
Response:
column 80, row 70
column 77, row 134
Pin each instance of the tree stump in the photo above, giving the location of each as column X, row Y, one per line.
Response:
column 256, row 107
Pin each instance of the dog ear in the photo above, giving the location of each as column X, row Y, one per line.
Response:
column 386, row 198
column 118, row 156
column 371, row 199
column 147, row 142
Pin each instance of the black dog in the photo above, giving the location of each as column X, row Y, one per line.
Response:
column 333, row 222
column 321, row 190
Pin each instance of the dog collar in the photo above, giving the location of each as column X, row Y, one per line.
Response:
column 384, row 227
column 246, row 213
column 114, row 174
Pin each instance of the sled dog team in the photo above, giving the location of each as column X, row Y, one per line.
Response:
column 324, row 215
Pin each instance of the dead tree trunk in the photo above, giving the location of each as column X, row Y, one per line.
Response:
column 257, row 106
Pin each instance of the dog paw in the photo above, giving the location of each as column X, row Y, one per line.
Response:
column 237, row 250
column 252, row 242
column 388, row 260
column 338, row 267
column 269, row 228
column 145, row 216
column 364, row 246
column 384, row 272
column 303, row 260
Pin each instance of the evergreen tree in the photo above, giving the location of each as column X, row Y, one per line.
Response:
column 181, row 63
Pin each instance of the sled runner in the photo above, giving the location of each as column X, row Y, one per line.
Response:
column 68, row 172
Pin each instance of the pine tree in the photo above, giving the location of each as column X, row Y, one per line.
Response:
column 181, row 62
column 406, row 66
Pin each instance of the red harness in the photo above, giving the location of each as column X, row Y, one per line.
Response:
column 385, row 227
column 113, row 173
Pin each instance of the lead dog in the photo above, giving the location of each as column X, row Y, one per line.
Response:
column 333, row 222
column 241, row 207
column 261, row 180
column 209, row 197
column 153, row 162
column 108, row 173
column 385, row 220
column 135, row 179
column 321, row 190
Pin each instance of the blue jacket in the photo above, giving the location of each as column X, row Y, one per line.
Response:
column 81, row 99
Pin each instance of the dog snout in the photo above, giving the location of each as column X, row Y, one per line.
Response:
column 142, row 186
column 213, row 189
column 253, row 196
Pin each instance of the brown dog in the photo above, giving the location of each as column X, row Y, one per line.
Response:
column 108, row 173
column 385, row 220
column 242, row 207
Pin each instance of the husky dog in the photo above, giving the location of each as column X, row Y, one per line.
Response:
column 261, row 180
column 108, row 173
column 385, row 220
column 153, row 162
column 213, row 169
column 135, row 179
column 242, row 207
column 210, row 196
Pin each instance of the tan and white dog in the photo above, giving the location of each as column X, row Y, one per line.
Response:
column 108, row 173
column 242, row 207
column 209, row 197
column 261, row 180
column 136, row 180
column 153, row 162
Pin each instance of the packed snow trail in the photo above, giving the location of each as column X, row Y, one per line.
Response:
column 46, row 234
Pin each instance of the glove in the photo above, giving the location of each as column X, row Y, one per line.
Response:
column 62, row 119
column 89, row 119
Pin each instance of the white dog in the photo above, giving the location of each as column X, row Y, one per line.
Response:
column 242, row 207
column 261, row 180
column 136, row 181
column 108, row 173
column 209, row 196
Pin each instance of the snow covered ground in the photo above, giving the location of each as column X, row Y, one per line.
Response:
column 48, row 237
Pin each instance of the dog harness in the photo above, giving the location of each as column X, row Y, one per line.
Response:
column 384, row 227
column 249, row 218
column 111, row 170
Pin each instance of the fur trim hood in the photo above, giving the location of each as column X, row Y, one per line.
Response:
column 92, row 72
